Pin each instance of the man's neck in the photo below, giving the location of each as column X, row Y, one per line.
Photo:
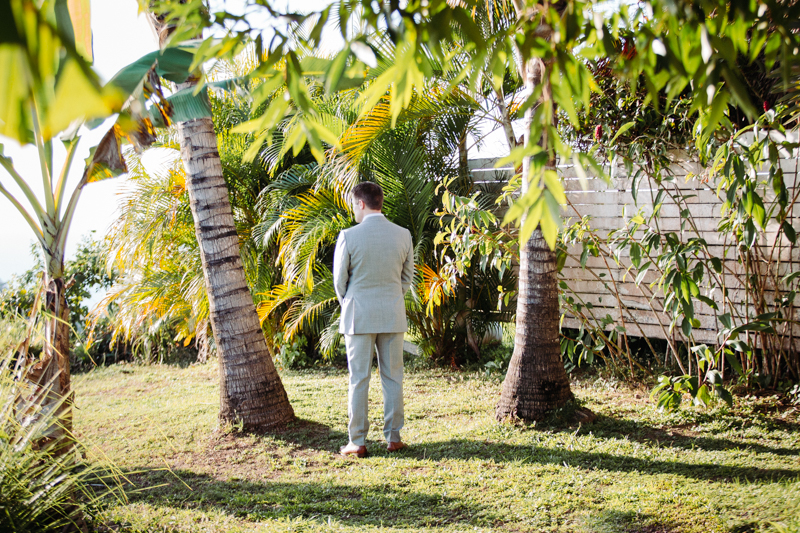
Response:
column 370, row 213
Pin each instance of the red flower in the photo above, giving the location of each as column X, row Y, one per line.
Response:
column 598, row 133
column 766, row 106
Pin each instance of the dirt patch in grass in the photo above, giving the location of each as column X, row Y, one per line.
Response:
column 227, row 456
column 299, row 445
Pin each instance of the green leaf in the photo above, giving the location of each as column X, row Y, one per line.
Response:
column 642, row 273
column 789, row 231
column 555, row 188
column 718, row 108
column 636, row 254
column 561, row 260
column 758, row 212
column 668, row 401
column 173, row 64
column 550, row 221
column 625, row 127
column 584, row 255
column 532, row 218
column 708, row 301
column 685, row 290
column 702, row 397
column 733, row 361
column 724, row 395
column 686, row 326
column 77, row 97
column 750, row 233
column 14, row 95
column 335, row 72
column 790, row 277
column 73, row 19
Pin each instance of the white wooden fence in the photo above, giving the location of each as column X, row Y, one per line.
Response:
column 610, row 288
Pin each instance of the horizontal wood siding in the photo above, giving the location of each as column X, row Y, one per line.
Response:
column 608, row 289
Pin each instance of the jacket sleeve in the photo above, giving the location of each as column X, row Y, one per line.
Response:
column 407, row 275
column 341, row 267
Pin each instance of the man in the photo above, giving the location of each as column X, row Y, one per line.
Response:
column 372, row 269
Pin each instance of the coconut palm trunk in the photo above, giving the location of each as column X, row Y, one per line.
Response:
column 250, row 388
column 251, row 392
column 536, row 382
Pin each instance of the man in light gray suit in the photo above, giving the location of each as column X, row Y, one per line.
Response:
column 372, row 269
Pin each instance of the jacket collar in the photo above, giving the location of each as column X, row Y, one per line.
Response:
column 373, row 216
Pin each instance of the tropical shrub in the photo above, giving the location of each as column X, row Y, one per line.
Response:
column 294, row 354
column 158, row 299
column 306, row 207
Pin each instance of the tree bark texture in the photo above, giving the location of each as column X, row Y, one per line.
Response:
column 536, row 382
column 250, row 389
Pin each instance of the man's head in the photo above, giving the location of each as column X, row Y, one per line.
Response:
column 367, row 199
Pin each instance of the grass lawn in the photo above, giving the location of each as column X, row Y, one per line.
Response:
column 633, row 470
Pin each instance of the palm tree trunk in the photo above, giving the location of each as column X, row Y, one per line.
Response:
column 536, row 382
column 250, row 389
column 251, row 392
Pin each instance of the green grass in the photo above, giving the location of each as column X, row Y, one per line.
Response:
column 634, row 470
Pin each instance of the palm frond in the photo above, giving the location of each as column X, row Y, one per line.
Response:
column 315, row 222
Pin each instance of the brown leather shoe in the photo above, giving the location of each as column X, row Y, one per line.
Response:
column 352, row 449
column 395, row 446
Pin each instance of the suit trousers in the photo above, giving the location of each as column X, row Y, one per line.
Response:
column 360, row 349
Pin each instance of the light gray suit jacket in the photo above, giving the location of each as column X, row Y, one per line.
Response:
column 373, row 266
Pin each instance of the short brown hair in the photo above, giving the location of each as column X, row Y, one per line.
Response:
column 370, row 193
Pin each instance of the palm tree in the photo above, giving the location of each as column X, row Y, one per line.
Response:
column 250, row 389
column 536, row 382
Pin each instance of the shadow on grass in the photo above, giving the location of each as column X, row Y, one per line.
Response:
column 375, row 504
column 673, row 437
column 312, row 436
column 507, row 453
column 613, row 521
